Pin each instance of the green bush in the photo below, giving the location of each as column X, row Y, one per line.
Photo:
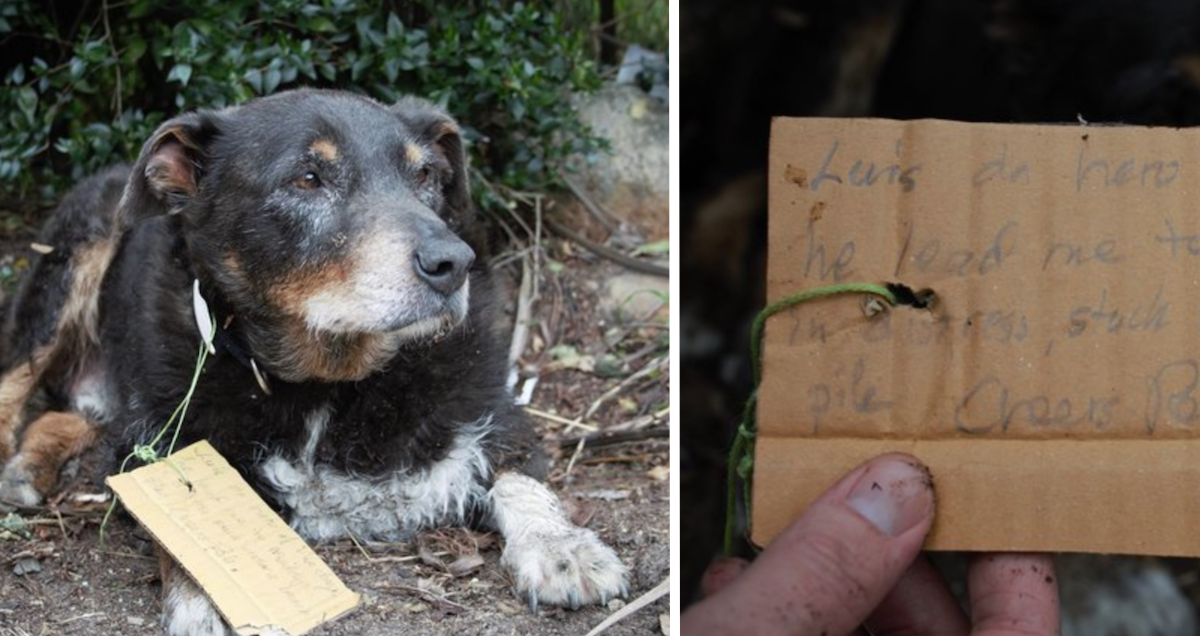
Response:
column 87, row 89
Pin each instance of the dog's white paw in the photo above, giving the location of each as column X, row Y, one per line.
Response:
column 188, row 612
column 570, row 567
column 16, row 485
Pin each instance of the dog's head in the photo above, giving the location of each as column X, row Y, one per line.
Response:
column 334, row 226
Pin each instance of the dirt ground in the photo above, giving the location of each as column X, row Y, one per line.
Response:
column 56, row 577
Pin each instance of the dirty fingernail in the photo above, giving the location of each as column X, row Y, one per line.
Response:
column 894, row 494
column 720, row 574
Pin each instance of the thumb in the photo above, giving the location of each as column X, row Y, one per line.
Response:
column 720, row 574
column 828, row 570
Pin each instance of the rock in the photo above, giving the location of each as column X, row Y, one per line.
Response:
column 646, row 67
column 632, row 182
column 26, row 566
column 632, row 296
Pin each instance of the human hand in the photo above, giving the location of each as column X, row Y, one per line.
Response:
column 853, row 558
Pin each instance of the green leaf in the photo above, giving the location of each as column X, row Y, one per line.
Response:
column 76, row 67
column 395, row 28
column 134, row 52
column 142, row 8
column 361, row 65
column 475, row 62
column 391, row 68
column 27, row 102
column 322, row 24
column 255, row 79
column 655, row 248
column 271, row 80
column 180, row 72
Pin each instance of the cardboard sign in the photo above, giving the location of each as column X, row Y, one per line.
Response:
column 1054, row 386
column 261, row 576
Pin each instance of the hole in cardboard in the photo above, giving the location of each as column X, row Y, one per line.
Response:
column 923, row 299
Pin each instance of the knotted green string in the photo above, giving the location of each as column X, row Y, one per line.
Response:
column 741, row 455
column 148, row 453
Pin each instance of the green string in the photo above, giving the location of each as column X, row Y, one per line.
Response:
column 741, row 454
column 148, row 453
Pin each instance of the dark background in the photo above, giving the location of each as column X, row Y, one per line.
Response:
column 974, row 60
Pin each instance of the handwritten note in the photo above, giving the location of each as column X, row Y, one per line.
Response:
column 1064, row 341
column 259, row 573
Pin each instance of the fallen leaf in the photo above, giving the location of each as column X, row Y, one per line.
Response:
column 508, row 609
column 485, row 541
column 568, row 357
column 659, row 473
column 465, row 564
column 580, row 512
column 428, row 557
column 415, row 608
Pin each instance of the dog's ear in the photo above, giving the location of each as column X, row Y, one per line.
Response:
column 434, row 127
column 168, row 173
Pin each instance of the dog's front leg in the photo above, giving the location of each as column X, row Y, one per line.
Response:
column 186, row 610
column 552, row 560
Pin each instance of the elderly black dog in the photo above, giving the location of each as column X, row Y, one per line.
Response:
column 358, row 379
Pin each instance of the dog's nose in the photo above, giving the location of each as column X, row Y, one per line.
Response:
column 443, row 263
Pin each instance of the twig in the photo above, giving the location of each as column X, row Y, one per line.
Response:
column 117, row 56
column 79, row 618
column 558, row 419
column 606, row 218
column 537, row 245
column 574, row 457
column 658, row 592
column 503, row 260
column 646, row 350
column 387, row 559
column 624, row 260
column 640, row 422
column 650, row 367
column 610, row 439
column 423, row 593
column 525, row 298
column 620, row 459
column 127, row 555
column 62, row 527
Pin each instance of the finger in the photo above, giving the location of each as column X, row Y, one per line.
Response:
column 825, row 572
column 919, row 604
column 1013, row 594
column 720, row 574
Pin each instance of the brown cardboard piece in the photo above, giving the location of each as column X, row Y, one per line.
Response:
column 261, row 576
column 1054, row 389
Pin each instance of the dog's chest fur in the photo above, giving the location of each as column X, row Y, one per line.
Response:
column 326, row 503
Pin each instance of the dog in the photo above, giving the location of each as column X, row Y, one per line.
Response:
column 358, row 375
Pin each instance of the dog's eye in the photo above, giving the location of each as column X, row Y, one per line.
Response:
column 424, row 174
column 310, row 181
